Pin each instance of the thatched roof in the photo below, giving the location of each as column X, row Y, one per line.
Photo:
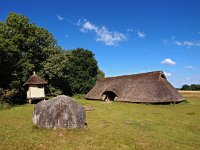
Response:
column 150, row 87
column 35, row 80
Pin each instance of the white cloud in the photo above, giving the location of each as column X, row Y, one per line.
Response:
column 168, row 61
column 130, row 30
column 60, row 17
column 167, row 74
column 178, row 43
column 78, row 23
column 141, row 34
column 168, row 41
column 89, row 26
column 103, row 34
column 189, row 67
column 187, row 43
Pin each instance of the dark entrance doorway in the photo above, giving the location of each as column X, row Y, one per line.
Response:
column 109, row 95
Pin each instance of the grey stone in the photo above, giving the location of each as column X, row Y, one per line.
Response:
column 59, row 112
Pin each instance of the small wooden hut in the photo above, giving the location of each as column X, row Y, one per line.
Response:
column 35, row 88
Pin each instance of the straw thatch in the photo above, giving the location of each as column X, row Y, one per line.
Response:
column 35, row 80
column 151, row 87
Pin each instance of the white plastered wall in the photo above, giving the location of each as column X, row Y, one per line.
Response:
column 35, row 92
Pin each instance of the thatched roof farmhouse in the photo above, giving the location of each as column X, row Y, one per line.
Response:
column 150, row 87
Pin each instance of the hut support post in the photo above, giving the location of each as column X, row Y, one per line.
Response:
column 29, row 101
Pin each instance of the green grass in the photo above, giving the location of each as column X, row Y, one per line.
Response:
column 110, row 126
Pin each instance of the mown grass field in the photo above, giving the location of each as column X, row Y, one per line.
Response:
column 115, row 125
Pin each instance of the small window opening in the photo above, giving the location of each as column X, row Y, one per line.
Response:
column 162, row 76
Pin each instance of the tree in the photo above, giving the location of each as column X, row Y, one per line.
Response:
column 82, row 70
column 23, row 48
column 193, row 87
column 100, row 74
column 55, row 73
column 186, row 87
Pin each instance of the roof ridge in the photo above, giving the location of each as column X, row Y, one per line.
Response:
column 152, row 72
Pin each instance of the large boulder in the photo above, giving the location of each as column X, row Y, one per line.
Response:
column 59, row 112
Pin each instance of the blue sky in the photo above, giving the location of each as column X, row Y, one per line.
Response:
column 126, row 36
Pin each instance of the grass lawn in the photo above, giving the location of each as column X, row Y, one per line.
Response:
column 113, row 125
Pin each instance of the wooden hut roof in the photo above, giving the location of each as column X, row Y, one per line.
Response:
column 150, row 87
column 35, row 80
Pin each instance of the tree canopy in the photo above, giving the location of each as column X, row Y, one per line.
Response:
column 192, row 87
column 25, row 47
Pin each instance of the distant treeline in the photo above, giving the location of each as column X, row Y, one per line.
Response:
column 192, row 87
